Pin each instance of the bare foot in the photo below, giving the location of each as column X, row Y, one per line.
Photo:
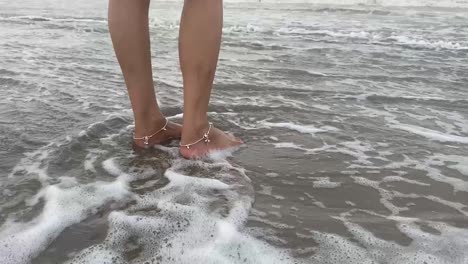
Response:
column 219, row 140
column 173, row 131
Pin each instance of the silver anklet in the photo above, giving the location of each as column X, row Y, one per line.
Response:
column 146, row 138
column 204, row 138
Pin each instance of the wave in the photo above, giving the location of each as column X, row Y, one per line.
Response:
column 431, row 134
column 352, row 11
column 431, row 44
column 95, row 25
column 368, row 37
column 48, row 19
column 403, row 99
column 180, row 210
column 248, row 28
column 297, row 72
column 304, row 31
column 306, row 129
column 380, row 38
column 398, row 3
column 417, row 99
column 256, row 45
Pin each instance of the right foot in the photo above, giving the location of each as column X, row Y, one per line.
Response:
column 219, row 140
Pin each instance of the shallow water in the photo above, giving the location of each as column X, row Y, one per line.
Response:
column 355, row 120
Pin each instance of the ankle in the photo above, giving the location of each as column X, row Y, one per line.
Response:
column 193, row 129
column 149, row 125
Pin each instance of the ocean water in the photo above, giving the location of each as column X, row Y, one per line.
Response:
column 355, row 119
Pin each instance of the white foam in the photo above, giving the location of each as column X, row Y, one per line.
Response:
column 319, row 204
column 271, row 223
column 290, row 145
column 272, row 174
column 248, row 28
column 324, row 182
column 110, row 166
column 321, row 106
column 174, row 152
column 438, row 44
column 385, row 196
column 458, row 119
column 356, row 149
column 431, row 134
column 399, row 178
column 378, row 37
column 222, row 154
column 447, row 248
column 435, row 174
column 306, row 129
column 357, row 34
column 461, row 162
column 205, row 234
column 91, row 158
column 179, row 179
column 89, row 162
column 47, row 19
column 325, row 148
column 430, row 166
column 176, row 116
column 34, row 163
column 185, row 230
column 63, row 208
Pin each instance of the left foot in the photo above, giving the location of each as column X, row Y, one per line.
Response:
column 171, row 131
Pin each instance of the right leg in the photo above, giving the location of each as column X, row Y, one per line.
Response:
column 199, row 43
column 129, row 29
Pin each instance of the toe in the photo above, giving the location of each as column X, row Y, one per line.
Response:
column 234, row 139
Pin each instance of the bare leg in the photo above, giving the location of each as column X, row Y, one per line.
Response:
column 128, row 25
column 199, row 44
